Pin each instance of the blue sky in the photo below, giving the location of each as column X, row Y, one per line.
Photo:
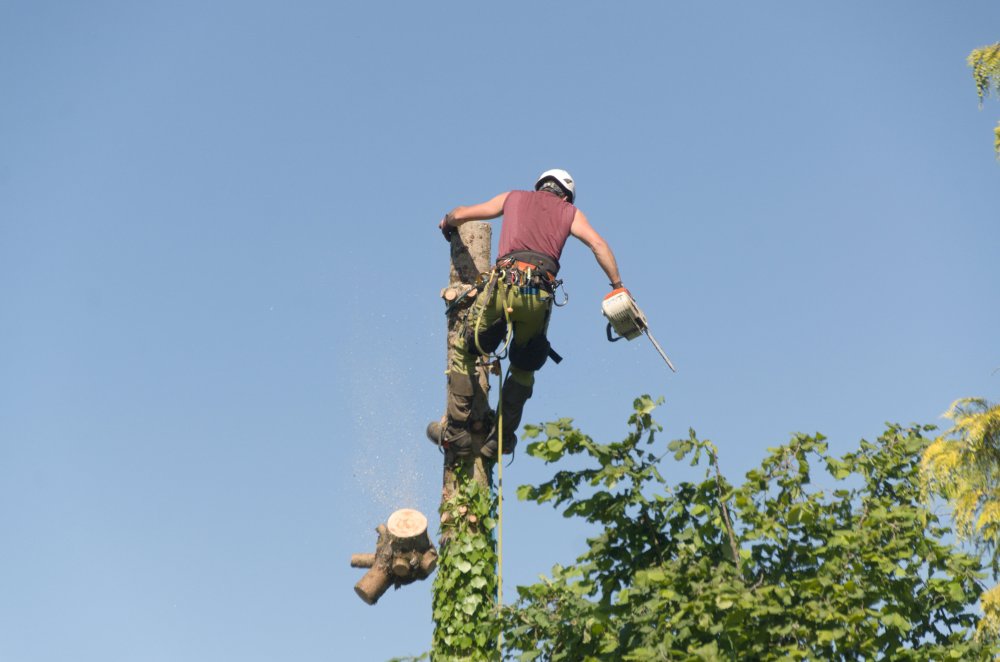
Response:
column 220, row 337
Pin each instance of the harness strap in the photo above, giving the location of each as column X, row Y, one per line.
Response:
column 541, row 261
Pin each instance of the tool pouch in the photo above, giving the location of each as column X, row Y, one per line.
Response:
column 532, row 355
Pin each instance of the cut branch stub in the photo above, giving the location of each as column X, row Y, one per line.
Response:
column 403, row 554
column 362, row 560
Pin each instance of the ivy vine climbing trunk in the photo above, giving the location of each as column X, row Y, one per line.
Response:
column 466, row 583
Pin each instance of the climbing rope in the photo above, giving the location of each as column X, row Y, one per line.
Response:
column 500, row 499
column 500, row 378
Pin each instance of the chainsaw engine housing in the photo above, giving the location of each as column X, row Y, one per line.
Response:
column 623, row 315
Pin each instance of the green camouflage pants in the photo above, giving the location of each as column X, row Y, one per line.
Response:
column 529, row 316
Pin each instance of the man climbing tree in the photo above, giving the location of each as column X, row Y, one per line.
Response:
column 519, row 292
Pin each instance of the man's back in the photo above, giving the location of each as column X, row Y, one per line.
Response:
column 536, row 221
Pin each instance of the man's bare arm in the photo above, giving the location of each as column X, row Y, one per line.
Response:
column 582, row 230
column 484, row 211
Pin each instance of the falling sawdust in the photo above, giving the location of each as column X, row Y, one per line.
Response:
column 390, row 463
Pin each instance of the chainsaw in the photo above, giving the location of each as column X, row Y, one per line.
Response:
column 625, row 318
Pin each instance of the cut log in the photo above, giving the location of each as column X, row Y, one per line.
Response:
column 408, row 529
column 403, row 554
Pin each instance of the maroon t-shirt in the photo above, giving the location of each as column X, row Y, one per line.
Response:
column 536, row 221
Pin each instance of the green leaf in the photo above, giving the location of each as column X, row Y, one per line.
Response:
column 644, row 404
column 896, row 621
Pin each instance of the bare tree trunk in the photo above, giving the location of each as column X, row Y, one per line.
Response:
column 470, row 257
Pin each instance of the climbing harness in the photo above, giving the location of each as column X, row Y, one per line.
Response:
column 625, row 317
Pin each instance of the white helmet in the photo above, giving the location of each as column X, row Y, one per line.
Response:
column 560, row 177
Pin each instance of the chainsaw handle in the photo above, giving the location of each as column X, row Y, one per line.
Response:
column 611, row 338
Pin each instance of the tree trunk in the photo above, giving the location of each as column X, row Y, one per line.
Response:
column 470, row 257
column 468, row 549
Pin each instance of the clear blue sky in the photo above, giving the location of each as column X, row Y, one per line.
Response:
column 220, row 337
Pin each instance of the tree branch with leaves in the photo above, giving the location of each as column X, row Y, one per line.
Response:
column 985, row 63
column 774, row 568
column 963, row 467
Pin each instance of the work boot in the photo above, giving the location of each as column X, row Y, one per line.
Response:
column 453, row 435
column 452, row 439
column 512, row 400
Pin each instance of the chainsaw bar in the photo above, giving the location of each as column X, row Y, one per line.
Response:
column 628, row 320
column 659, row 349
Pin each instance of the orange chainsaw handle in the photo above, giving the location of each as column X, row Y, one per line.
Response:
column 616, row 291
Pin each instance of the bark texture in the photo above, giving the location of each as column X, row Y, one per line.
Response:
column 403, row 554
column 470, row 257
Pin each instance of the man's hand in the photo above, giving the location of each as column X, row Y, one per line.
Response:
column 446, row 228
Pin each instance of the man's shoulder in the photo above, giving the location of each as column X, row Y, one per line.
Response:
column 538, row 195
column 517, row 194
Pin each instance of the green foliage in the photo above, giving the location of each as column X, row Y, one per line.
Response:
column 963, row 467
column 985, row 63
column 466, row 584
column 770, row 569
